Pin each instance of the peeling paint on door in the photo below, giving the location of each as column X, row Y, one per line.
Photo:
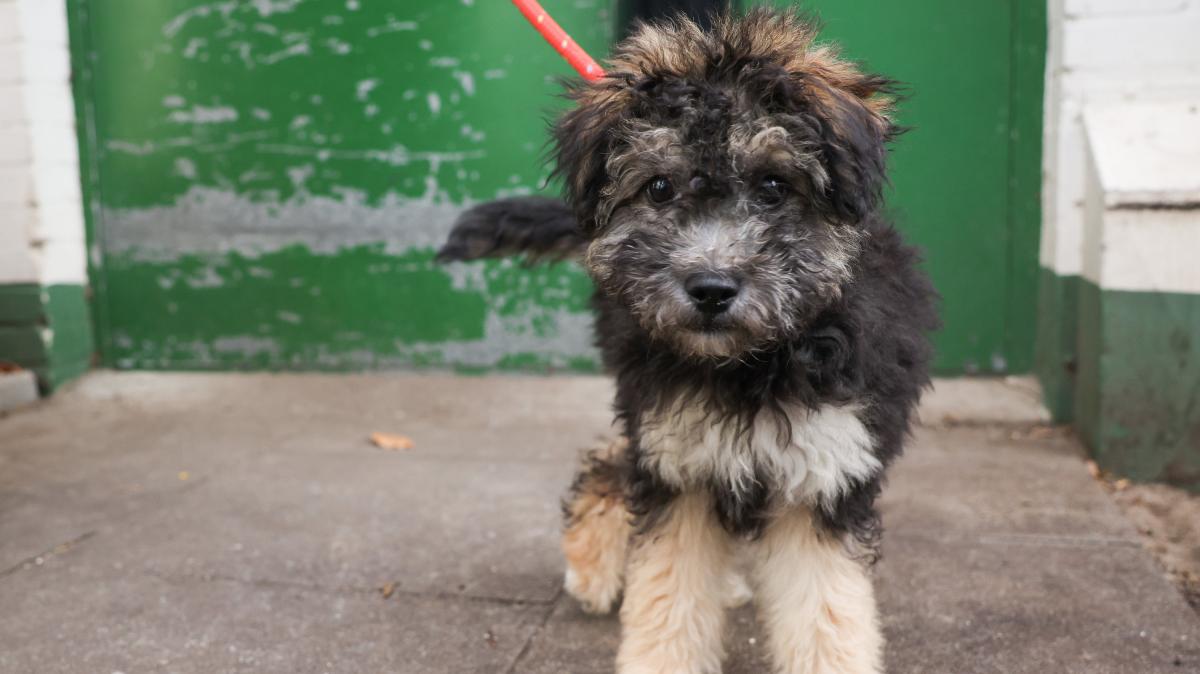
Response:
column 267, row 180
column 270, row 179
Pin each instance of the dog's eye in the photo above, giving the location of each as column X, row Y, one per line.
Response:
column 660, row 190
column 773, row 190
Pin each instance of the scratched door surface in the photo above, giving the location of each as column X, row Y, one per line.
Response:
column 267, row 179
column 271, row 177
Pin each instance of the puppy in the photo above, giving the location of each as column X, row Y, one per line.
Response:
column 767, row 328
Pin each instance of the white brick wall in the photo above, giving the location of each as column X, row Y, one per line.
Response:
column 17, row 264
column 41, row 213
column 10, row 27
column 1100, row 52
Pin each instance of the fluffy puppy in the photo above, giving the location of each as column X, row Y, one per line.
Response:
column 766, row 326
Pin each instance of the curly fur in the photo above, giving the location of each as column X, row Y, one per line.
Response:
column 797, row 397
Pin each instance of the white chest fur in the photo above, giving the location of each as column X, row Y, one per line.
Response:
column 828, row 449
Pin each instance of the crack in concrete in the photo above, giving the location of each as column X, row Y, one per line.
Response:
column 272, row 583
column 1017, row 539
column 1044, row 429
column 40, row 558
column 525, row 648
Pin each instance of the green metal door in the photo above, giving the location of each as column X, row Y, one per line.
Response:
column 966, row 177
column 267, row 179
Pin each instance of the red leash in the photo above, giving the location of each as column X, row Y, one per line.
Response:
column 558, row 38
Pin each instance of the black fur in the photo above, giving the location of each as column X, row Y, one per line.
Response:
column 856, row 334
column 872, row 346
column 541, row 229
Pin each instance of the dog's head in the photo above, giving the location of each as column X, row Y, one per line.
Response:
column 721, row 178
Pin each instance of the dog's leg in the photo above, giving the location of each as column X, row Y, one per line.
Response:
column 674, row 609
column 816, row 601
column 596, row 534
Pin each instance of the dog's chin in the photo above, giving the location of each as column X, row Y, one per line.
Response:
column 709, row 344
column 689, row 333
column 719, row 340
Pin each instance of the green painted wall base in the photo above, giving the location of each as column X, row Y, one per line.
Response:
column 362, row 307
column 1055, row 359
column 1137, row 402
column 46, row 329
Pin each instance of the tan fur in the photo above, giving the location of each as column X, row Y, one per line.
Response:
column 666, row 47
column 676, row 48
column 674, row 612
column 596, row 537
column 816, row 601
column 824, row 61
column 814, row 595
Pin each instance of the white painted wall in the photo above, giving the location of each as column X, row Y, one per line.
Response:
column 1103, row 52
column 1141, row 220
column 41, row 213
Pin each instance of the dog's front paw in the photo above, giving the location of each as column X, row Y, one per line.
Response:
column 596, row 537
column 596, row 594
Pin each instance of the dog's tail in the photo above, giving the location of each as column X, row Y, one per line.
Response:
column 538, row 228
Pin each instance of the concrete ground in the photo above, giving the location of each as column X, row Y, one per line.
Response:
column 243, row 523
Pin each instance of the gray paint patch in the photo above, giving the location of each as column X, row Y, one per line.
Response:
column 509, row 335
column 211, row 221
column 504, row 336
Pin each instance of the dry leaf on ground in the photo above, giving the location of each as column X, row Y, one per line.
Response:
column 391, row 441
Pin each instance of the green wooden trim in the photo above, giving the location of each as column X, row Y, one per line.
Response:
column 1027, row 83
column 20, row 304
column 70, row 337
column 1138, row 402
column 47, row 330
column 22, row 326
column 83, row 89
column 1087, row 414
column 22, row 345
column 1056, row 360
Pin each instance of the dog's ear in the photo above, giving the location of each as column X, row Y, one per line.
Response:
column 583, row 138
column 854, row 139
column 848, row 115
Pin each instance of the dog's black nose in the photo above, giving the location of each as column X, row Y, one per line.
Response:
column 712, row 293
